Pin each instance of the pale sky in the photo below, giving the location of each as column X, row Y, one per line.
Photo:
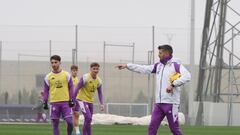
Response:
column 163, row 13
column 31, row 23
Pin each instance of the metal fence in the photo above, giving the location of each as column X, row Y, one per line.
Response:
column 25, row 52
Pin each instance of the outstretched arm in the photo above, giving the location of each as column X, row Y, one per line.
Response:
column 143, row 69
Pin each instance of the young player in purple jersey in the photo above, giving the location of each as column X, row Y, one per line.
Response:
column 58, row 90
column 84, row 93
column 74, row 73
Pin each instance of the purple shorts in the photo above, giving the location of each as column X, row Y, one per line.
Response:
column 83, row 106
column 59, row 109
column 76, row 108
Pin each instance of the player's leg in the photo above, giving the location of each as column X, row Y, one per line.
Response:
column 69, row 125
column 67, row 115
column 90, row 107
column 76, row 114
column 55, row 123
column 76, row 122
column 55, row 115
column 86, row 130
column 156, row 118
column 172, row 117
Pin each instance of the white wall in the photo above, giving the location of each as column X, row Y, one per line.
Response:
column 216, row 114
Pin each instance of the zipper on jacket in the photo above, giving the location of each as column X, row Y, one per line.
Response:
column 161, row 84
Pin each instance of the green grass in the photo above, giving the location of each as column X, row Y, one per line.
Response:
column 45, row 129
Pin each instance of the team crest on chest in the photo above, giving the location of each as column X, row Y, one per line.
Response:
column 58, row 84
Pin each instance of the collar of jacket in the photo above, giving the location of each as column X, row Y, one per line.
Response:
column 166, row 59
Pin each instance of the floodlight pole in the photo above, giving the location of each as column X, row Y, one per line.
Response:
column 74, row 57
column 50, row 48
column 76, row 44
column 192, row 63
column 150, row 55
column 50, row 53
column 153, row 59
column 18, row 78
column 153, row 43
column 0, row 66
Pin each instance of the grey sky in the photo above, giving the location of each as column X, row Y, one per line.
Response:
column 166, row 13
column 171, row 17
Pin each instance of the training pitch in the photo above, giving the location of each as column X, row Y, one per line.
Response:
column 45, row 129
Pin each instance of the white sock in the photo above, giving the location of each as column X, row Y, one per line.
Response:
column 77, row 130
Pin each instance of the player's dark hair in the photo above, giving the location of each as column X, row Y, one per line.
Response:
column 167, row 48
column 74, row 67
column 94, row 64
column 55, row 57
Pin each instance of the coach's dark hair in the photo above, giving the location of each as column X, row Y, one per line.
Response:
column 94, row 64
column 74, row 67
column 166, row 48
column 55, row 57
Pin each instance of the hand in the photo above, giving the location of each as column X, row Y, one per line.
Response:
column 121, row 66
column 101, row 108
column 71, row 103
column 169, row 89
column 45, row 105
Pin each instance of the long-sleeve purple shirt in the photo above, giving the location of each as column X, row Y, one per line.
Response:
column 46, row 92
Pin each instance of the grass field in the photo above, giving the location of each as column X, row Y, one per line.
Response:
column 45, row 129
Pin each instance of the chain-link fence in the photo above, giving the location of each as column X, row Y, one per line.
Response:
column 25, row 52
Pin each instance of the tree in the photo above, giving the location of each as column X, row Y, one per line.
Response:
column 6, row 97
column 19, row 97
column 33, row 96
column 26, row 95
column 141, row 98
